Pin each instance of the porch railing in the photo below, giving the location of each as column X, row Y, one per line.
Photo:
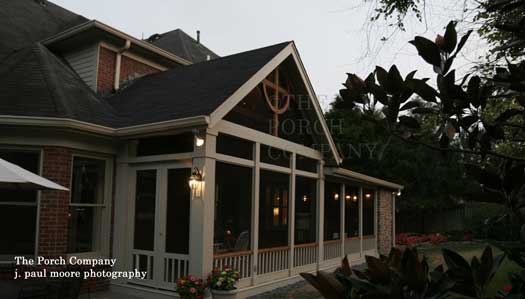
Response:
column 273, row 259
column 175, row 266
column 241, row 261
column 305, row 254
column 143, row 261
column 332, row 249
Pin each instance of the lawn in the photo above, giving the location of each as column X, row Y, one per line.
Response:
column 468, row 250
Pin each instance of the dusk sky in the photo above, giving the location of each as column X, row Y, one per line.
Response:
column 333, row 37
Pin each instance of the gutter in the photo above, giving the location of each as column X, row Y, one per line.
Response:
column 67, row 123
column 99, row 25
column 116, row 80
column 345, row 173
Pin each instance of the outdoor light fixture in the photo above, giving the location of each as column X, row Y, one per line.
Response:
column 195, row 182
column 354, row 199
column 368, row 195
column 336, row 196
column 199, row 141
column 305, row 198
column 347, row 197
column 399, row 192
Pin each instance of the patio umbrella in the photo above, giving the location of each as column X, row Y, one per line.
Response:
column 15, row 177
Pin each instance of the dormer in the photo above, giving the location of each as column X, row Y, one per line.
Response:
column 106, row 58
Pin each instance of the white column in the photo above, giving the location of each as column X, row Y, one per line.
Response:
column 291, row 217
column 255, row 211
column 320, row 214
column 122, row 225
column 202, row 212
column 361, row 221
column 342, row 211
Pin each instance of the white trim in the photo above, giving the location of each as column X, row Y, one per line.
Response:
column 275, row 168
column 249, row 85
column 361, row 177
column 99, row 25
column 249, row 134
column 99, row 129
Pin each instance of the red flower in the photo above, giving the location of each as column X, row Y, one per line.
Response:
column 193, row 290
column 507, row 288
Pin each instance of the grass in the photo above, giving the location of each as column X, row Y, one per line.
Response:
column 468, row 250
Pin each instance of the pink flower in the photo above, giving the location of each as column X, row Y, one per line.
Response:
column 507, row 288
column 193, row 290
column 192, row 278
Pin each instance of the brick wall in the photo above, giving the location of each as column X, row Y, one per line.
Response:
column 54, row 205
column 106, row 70
column 385, row 221
column 128, row 67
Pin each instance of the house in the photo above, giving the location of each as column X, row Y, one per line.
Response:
column 177, row 160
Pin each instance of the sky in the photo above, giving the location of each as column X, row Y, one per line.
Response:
column 333, row 37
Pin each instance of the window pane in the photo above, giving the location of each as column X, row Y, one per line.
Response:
column 83, row 223
column 305, row 210
column 233, row 208
column 19, row 241
column 233, row 146
column 29, row 160
column 178, row 211
column 352, row 211
column 275, row 156
column 273, row 209
column 332, row 214
column 368, row 212
column 145, row 199
column 163, row 145
column 306, row 164
column 88, row 181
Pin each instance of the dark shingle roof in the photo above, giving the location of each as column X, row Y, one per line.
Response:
column 24, row 22
column 36, row 83
column 182, row 45
column 192, row 90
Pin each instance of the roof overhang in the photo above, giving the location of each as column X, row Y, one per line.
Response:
column 95, row 31
column 247, row 87
column 64, row 123
column 345, row 174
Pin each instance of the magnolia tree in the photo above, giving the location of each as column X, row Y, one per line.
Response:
column 480, row 118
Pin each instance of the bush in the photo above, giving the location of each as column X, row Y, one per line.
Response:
column 223, row 279
column 190, row 287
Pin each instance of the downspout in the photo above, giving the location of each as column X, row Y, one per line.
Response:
column 116, row 81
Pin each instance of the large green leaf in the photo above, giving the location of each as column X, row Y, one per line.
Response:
column 450, row 38
column 422, row 89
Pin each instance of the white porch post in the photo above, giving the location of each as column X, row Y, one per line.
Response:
column 121, row 206
column 291, row 213
column 342, row 207
column 361, row 221
column 320, row 214
column 202, row 211
column 255, row 212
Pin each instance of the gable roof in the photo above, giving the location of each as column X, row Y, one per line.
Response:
column 181, row 44
column 24, row 22
column 192, row 90
column 36, row 83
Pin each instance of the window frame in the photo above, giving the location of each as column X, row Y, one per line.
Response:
column 40, row 153
column 102, row 235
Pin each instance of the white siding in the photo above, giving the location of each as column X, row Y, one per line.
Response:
column 85, row 63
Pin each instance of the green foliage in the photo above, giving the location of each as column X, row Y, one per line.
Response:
column 223, row 279
column 405, row 275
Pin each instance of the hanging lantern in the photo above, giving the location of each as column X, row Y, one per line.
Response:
column 195, row 182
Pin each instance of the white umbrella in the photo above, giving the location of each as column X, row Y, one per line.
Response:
column 15, row 177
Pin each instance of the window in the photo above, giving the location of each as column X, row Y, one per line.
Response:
column 163, row 145
column 233, row 206
column 233, row 146
column 305, row 210
column 368, row 212
column 87, row 206
column 351, row 211
column 273, row 209
column 18, row 207
column 306, row 164
column 275, row 156
column 332, row 214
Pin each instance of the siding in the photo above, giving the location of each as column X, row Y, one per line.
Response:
column 84, row 63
